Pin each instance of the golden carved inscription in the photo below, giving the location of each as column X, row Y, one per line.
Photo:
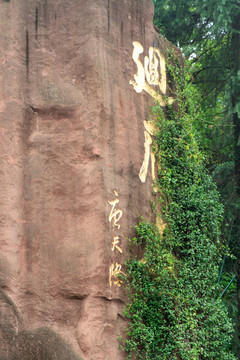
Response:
column 152, row 73
column 115, row 215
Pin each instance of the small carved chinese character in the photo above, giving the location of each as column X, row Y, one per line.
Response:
column 115, row 243
column 115, row 214
column 114, row 271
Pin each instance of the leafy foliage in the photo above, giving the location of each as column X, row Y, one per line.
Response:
column 208, row 33
column 171, row 308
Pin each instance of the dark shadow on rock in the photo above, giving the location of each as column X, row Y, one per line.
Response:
column 43, row 344
column 40, row 344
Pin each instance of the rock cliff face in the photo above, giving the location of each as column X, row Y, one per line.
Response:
column 76, row 169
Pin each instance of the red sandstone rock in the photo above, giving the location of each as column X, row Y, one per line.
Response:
column 72, row 140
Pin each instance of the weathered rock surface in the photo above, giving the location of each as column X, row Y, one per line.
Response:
column 72, row 140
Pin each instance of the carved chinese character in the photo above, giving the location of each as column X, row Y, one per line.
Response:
column 150, row 130
column 150, row 71
column 115, row 215
column 114, row 271
column 115, row 243
column 151, row 65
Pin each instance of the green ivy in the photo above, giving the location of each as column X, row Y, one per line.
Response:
column 171, row 289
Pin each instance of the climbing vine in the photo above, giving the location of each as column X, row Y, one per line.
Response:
column 171, row 308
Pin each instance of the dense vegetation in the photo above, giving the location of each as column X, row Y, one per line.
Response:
column 208, row 32
column 178, row 289
column 173, row 308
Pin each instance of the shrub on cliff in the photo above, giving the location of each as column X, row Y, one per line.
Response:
column 171, row 307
